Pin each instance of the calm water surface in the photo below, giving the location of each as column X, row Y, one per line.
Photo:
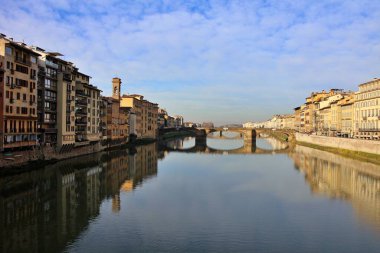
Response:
column 154, row 199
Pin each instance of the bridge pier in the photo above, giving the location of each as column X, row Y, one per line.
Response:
column 250, row 140
column 201, row 140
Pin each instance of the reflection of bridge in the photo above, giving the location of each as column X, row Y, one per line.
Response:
column 201, row 135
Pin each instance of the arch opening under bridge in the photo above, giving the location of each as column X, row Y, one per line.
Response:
column 249, row 146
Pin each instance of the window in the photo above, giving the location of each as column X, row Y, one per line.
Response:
column 22, row 69
column 33, row 59
column 8, row 50
column 21, row 82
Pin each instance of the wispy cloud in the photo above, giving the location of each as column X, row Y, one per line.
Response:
column 227, row 61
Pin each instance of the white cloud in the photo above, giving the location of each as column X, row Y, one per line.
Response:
column 236, row 61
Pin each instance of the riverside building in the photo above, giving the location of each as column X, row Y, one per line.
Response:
column 367, row 110
column 19, row 78
column 146, row 115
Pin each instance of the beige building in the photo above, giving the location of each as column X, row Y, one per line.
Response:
column 367, row 110
column 1, row 102
column 288, row 121
column 87, row 109
column 19, row 94
column 146, row 115
column 347, row 107
column 115, row 118
column 54, row 82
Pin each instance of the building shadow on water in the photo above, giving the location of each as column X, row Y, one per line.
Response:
column 46, row 209
column 339, row 177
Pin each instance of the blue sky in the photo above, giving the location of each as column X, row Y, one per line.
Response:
column 224, row 61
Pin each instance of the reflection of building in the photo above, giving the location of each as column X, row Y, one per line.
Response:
column 344, row 178
column 43, row 210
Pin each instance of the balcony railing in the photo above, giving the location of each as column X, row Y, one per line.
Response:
column 81, row 102
column 67, row 77
column 81, row 112
column 369, row 129
column 80, row 93
column 24, row 61
column 52, row 64
column 81, row 123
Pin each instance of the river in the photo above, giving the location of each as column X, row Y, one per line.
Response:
column 174, row 197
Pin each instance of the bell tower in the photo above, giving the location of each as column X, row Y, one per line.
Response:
column 116, row 88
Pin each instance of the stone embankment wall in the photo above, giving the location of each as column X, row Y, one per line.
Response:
column 367, row 146
column 20, row 158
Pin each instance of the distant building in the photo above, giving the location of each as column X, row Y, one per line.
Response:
column 367, row 110
column 146, row 115
column 250, row 125
column 208, row 124
column 178, row 120
column 161, row 118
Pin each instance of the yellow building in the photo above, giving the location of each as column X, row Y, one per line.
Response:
column 297, row 118
column 19, row 94
column 347, row 118
column 367, row 110
column 146, row 115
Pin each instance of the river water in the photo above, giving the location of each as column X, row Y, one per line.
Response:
column 175, row 197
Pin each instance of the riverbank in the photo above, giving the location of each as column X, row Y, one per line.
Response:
column 37, row 157
column 363, row 150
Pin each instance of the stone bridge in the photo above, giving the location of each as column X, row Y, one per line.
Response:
column 249, row 147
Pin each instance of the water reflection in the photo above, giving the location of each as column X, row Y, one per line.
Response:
column 224, row 146
column 269, row 143
column 339, row 177
column 45, row 209
column 197, row 198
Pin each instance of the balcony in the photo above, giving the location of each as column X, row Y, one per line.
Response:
column 33, row 77
column 80, row 93
column 51, row 64
column 53, row 99
column 81, row 123
column 51, row 87
column 81, row 112
column 53, row 76
column 41, row 71
column 81, row 102
column 369, row 129
column 67, row 77
column 50, row 130
column 50, row 121
column 19, row 144
column 24, row 61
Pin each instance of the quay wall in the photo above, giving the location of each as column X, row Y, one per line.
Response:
column 357, row 145
column 21, row 158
